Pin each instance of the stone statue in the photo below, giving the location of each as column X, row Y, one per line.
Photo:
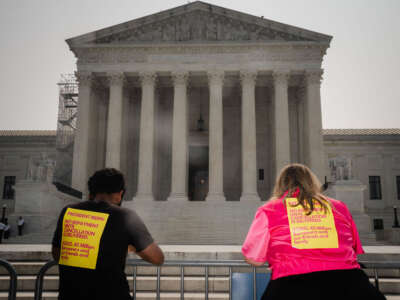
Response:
column 42, row 169
column 341, row 168
column 32, row 169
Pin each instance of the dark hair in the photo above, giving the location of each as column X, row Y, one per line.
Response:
column 106, row 181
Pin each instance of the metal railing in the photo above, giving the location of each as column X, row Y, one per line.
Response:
column 206, row 264
column 230, row 264
column 135, row 263
column 39, row 279
column 379, row 265
column 12, row 289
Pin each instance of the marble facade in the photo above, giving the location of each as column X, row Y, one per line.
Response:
column 256, row 83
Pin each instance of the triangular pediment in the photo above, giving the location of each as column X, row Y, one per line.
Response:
column 198, row 22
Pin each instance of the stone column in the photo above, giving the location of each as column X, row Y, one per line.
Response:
column 114, row 121
column 146, row 139
column 80, row 161
column 314, row 150
column 281, row 117
column 216, row 136
column 249, row 148
column 179, row 138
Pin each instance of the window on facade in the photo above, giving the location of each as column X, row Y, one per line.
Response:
column 375, row 191
column 398, row 187
column 8, row 190
column 260, row 174
column 378, row 224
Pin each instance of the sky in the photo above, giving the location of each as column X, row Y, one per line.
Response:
column 361, row 86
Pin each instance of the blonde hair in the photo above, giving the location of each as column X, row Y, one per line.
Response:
column 298, row 176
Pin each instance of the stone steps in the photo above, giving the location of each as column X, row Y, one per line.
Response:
column 143, row 283
column 145, row 296
column 139, row 296
column 193, row 284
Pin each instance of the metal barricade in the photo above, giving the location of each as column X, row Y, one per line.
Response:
column 39, row 279
column 12, row 289
column 206, row 264
column 230, row 264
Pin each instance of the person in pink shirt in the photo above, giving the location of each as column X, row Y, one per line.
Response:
column 310, row 242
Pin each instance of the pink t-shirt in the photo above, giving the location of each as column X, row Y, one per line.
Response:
column 268, row 240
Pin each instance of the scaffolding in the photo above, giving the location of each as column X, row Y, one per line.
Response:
column 66, row 126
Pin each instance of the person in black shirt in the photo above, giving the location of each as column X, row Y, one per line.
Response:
column 123, row 228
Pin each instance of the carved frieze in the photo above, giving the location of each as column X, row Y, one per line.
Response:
column 199, row 26
column 170, row 53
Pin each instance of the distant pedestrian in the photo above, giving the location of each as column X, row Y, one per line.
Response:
column 2, row 227
column 21, row 223
column 6, row 229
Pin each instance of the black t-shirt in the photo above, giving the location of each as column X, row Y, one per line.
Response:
column 108, row 280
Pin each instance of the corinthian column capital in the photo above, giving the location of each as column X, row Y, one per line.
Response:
column 84, row 78
column 248, row 77
column 314, row 76
column 281, row 77
column 148, row 78
column 180, row 77
column 216, row 77
column 116, row 79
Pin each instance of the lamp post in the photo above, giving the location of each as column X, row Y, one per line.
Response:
column 396, row 220
column 3, row 216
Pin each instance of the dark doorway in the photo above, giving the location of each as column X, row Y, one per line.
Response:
column 198, row 173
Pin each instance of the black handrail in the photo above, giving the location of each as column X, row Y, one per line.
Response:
column 375, row 265
column 12, row 289
column 39, row 279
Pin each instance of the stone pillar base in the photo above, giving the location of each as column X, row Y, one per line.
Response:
column 351, row 192
column 395, row 236
column 178, row 197
column 215, row 197
column 250, row 197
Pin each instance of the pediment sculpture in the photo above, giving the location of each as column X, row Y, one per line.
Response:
column 199, row 26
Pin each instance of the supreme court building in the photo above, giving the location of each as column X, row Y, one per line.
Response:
column 198, row 102
column 200, row 106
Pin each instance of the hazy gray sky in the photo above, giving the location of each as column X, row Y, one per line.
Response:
column 361, row 87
